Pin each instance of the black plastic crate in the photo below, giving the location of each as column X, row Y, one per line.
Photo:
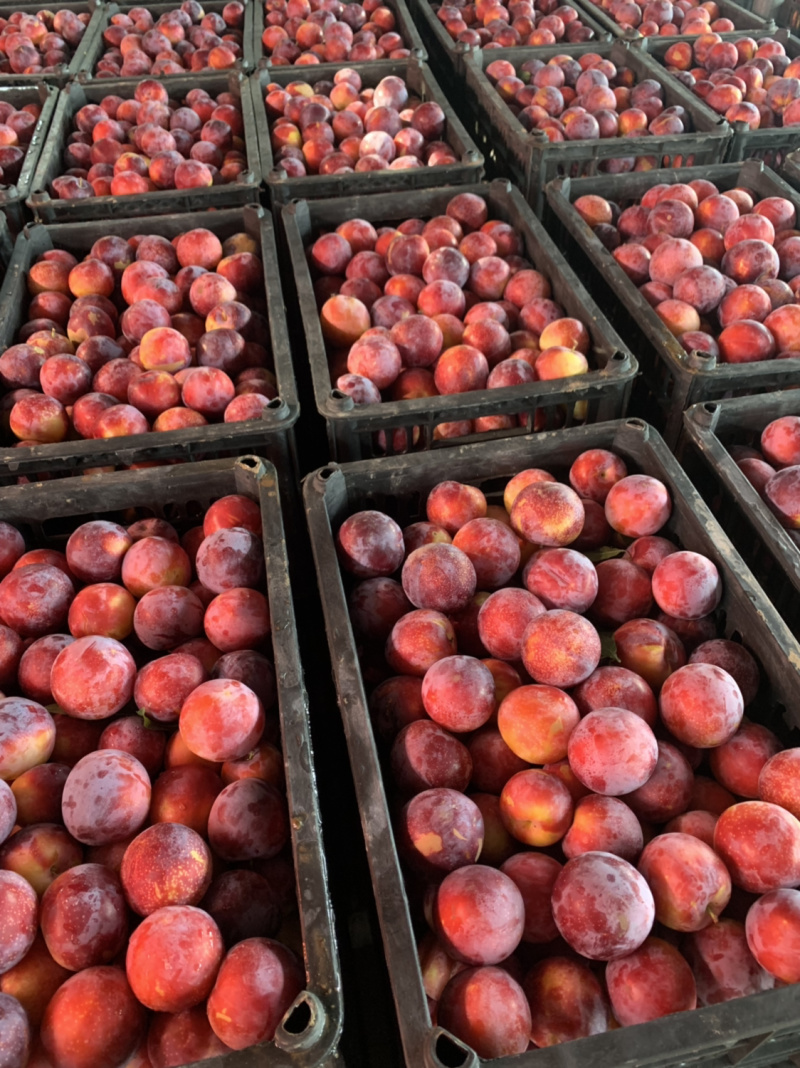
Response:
column 79, row 60
column 755, row 1031
column 674, row 378
column 449, row 54
column 50, row 209
column 420, row 80
column 712, row 428
column 352, row 430
column 404, row 25
column 309, row 1033
column 12, row 197
column 531, row 160
column 98, row 45
column 743, row 19
column 272, row 435
column 769, row 145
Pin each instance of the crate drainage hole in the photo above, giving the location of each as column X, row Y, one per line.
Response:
column 450, row 1055
column 299, row 1020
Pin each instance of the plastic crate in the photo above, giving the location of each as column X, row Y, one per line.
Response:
column 404, row 25
column 352, row 430
column 49, row 209
column 743, row 19
column 532, row 160
column 12, row 197
column 715, row 1036
column 769, row 145
column 98, row 45
column 272, row 436
column 420, row 80
column 674, row 378
column 449, row 54
column 767, row 548
column 46, row 514
column 78, row 62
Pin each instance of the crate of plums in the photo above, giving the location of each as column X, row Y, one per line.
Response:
column 745, row 460
column 162, row 877
column 751, row 81
column 26, row 113
column 454, row 29
column 377, row 128
column 169, row 38
column 697, row 270
column 39, row 44
column 461, row 320
column 686, row 19
column 329, row 31
column 571, row 712
column 148, row 146
column 165, row 338
column 590, row 109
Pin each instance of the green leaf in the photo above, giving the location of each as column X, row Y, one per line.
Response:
column 607, row 552
column 608, row 647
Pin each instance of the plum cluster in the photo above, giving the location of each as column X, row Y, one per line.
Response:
column 559, row 809
column 585, row 99
column 124, row 147
column 667, row 19
column 38, row 44
column 184, row 38
column 493, row 24
column 339, row 127
column 721, row 270
column 145, row 334
column 143, row 857
column 746, row 80
column 16, row 131
column 329, row 31
column 447, row 305
column 774, row 471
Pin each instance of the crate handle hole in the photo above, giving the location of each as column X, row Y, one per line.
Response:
column 451, row 1054
column 298, row 1020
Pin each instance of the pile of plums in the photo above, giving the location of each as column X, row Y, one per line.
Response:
column 16, row 131
column 447, row 305
column 329, row 31
column 38, row 44
column 339, row 127
column 745, row 80
column 124, row 147
column 585, row 99
column 144, row 334
column 145, row 874
column 184, row 38
column 720, row 269
column 667, row 19
column 576, row 788
column 774, row 470
column 493, row 24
